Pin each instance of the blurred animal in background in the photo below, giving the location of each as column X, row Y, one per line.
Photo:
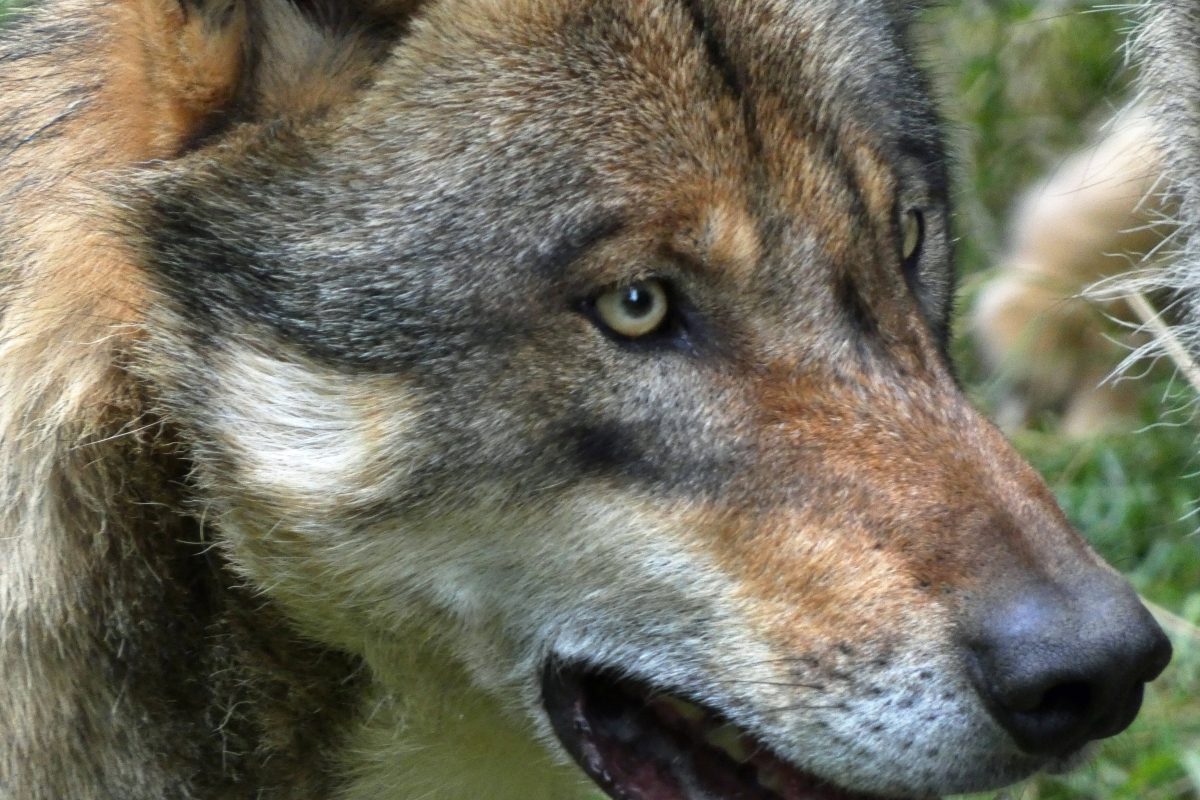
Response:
column 1052, row 347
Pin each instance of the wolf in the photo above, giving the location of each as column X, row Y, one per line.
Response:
column 1096, row 217
column 510, row 399
column 1164, row 46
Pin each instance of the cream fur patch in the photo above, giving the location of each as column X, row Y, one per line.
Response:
column 305, row 434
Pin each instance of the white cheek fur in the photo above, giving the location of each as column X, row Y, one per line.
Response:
column 305, row 435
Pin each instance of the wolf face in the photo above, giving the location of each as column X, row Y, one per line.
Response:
column 584, row 376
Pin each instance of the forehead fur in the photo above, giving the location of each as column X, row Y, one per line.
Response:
column 704, row 75
column 505, row 136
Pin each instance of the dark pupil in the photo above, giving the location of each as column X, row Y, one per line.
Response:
column 637, row 302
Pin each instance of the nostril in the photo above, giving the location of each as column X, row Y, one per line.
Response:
column 1051, row 719
column 1072, row 699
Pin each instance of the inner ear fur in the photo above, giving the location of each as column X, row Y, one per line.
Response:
column 193, row 67
column 178, row 64
column 174, row 72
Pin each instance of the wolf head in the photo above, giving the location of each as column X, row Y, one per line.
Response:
column 600, row 346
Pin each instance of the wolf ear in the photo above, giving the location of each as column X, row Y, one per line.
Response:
column 177, row 66
column 190, row 65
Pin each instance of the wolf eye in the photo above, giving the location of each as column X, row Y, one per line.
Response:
column 634, row 310
column 913, row 226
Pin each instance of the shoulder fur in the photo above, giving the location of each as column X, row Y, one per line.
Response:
column 99, row 542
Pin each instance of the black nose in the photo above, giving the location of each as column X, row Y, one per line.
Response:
column 1059, row 668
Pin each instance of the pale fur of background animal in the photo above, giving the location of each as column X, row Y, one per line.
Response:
column 1096, row 216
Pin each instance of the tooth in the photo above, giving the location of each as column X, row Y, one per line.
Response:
column 685, row 709
column 772, row 779
column 729, row 739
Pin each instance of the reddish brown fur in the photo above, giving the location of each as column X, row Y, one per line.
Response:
column 159, row 76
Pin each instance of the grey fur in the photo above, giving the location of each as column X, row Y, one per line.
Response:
column 1166, row 47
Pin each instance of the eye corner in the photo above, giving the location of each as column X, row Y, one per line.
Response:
column 912, row 238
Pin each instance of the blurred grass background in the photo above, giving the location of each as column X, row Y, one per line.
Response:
column 1022, row 83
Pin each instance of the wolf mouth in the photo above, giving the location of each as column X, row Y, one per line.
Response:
column 640, row 743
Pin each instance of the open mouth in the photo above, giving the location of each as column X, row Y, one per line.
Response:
column 638, row 743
